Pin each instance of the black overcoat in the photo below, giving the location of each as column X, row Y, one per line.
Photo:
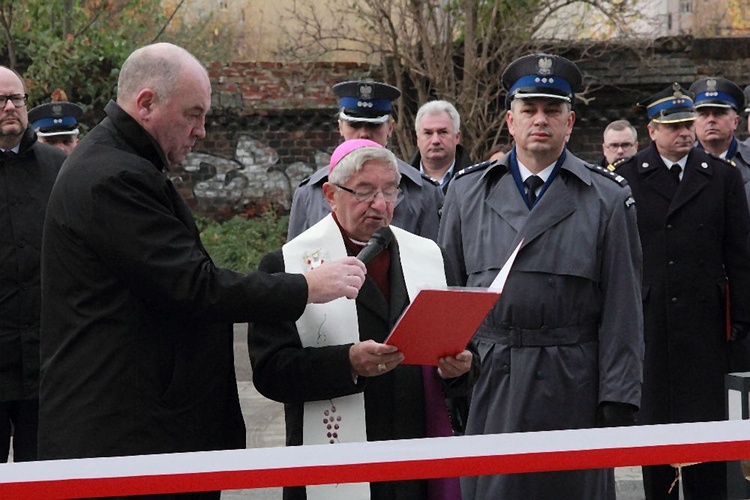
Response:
column 136, row 344
column 26, row 180
column 694, row 237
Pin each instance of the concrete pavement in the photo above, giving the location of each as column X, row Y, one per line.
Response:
column 264, row 420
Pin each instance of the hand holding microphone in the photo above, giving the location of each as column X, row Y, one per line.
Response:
column 344, row 278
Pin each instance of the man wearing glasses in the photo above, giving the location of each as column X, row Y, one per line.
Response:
column 28, row 170
column 338, row 380
column 620, row 141
column 365, row 113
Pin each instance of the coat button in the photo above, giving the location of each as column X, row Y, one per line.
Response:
column 539, row 375
column 670, row 263
column 669, row 227
column 505, row 368
column 673, row 300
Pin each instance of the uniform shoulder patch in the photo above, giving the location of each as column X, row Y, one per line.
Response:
column 429, row 179
column 605, row 172
column 478, row 167
column 717, row 157
column 613, row 166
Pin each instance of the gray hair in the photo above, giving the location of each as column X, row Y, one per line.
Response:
column 354, row 161
column 157, row 66
column 619, row 125
column 435, row 107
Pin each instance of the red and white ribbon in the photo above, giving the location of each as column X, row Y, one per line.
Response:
column 378, row 461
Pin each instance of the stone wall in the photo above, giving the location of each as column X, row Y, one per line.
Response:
column 272, row 124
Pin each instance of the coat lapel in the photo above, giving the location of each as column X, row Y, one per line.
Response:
column 655, row 175
column 556, row 204
column 399, row 294
column 696, row 176
column 372, row 299
column 504, row 199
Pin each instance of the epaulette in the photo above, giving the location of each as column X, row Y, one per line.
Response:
column 474, row 168
column 613, row 166
column 429, row 179
column 725, row 160
column 608, row 174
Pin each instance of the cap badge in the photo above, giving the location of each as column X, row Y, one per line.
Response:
column 676, row 88
column 57, row 110
column 365, row 92
column 711, row 85
column 544, row 66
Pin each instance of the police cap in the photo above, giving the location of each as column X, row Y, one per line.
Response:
column 674, row 104
column 55, row 118
column 747, row 99
column 361, row 101
column 717, row 92
column 541, row 75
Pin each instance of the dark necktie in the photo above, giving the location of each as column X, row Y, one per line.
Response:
column 675, row 170
column 532, row 183
column 8, row 156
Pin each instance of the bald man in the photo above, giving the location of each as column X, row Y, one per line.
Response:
column 136, row 344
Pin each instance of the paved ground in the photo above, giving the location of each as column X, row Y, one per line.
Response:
column 265, row 427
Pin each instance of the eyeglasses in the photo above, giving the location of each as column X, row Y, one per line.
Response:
column 389, row 194
column 615, row 146
column 18, row 100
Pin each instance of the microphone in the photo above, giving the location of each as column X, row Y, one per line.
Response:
column 379, row 241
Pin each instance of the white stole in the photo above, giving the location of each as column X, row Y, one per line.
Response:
column 342, row 420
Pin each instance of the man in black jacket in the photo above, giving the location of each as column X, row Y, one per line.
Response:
column 693, row 223
column 136, row 343
column 27, row 172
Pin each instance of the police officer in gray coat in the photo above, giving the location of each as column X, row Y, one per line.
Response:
column 563, row 347
column 365, row 113
column 718, row 103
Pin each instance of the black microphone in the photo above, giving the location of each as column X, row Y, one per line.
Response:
column 379, row 241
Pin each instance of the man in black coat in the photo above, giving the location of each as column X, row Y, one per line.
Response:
column 28, row 170
column 136, row 342
column 693, row 223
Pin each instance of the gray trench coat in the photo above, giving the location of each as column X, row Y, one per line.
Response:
column 567, row 332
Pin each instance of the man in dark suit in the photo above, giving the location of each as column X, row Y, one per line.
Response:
column 136, row 343
column 693, row 223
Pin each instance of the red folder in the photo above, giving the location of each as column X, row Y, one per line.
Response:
column 440, row 322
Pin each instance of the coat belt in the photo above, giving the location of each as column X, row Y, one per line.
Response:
column 541, row 337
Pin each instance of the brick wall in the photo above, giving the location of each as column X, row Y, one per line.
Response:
column 272, row 124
